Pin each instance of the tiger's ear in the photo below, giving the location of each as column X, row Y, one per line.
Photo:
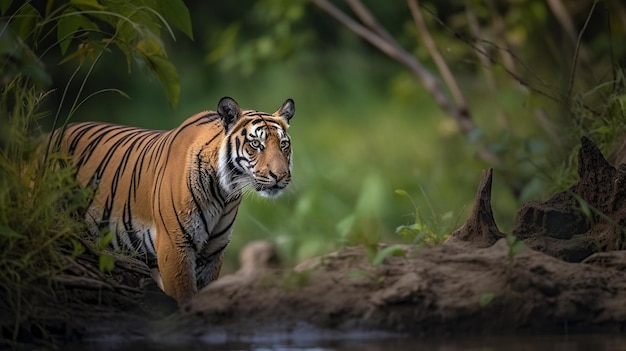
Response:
column 287, row 110
column 229, row 112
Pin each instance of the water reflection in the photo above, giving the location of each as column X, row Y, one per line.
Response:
column 589, row 342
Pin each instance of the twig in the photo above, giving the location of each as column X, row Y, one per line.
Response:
column 506, row 65
column 369, row 20
column 94, row 284
column 81, row 282
column 431, row 46
column 500, row 36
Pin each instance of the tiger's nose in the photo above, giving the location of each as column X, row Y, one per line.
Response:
column 278, row 176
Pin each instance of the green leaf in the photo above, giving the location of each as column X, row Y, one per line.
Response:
column 167, row 75
column 8, row 232
column 344, row 226
column 486, row 299
column 69, row 23
column 77, row 248
column 105, row 239
column 4, row 6
column 106, row 263
column 150, row 45
column 65, row 30
column 393, row 250
column 25, row 20
column 510, row 239
column 88, row 4
column 177, row 14
column 517, row 247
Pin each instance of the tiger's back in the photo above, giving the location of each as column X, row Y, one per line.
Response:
column 172, row 196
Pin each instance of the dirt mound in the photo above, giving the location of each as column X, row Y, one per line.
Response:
column 570, row 275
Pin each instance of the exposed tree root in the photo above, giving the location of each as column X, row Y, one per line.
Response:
column 480, row 229
column 589, row 217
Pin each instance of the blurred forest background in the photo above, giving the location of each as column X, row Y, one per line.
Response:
column 533, row 76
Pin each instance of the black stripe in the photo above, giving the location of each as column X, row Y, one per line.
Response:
column 186, row 235
column 197, row 203
column 210, row 256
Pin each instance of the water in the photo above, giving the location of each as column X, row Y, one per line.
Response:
column 366, row 342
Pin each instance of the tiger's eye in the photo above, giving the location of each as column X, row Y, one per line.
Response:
column 284, row 144
column 255, row 144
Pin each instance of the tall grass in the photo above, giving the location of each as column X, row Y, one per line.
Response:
column 599, row 114
column 38, row 206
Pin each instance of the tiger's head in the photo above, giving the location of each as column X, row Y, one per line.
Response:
column 256, row 151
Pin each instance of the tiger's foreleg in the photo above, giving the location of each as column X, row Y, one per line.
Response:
column 176, row 262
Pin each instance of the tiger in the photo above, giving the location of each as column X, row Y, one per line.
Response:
column 172, row 196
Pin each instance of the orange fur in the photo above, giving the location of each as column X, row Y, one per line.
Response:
column 172, row 196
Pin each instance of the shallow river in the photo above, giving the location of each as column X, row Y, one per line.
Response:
column 591, row 342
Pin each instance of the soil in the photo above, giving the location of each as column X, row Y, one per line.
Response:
column 569, row 276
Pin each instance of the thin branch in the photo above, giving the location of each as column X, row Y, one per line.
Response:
column 393, row 50
column 500, row 37
column 434, row 52
column 376, row 35
column 510, row 71
column 369, row 20
column 389, row 47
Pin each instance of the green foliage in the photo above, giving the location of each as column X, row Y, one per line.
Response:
column 272, row 24
column 599, row 115
column 362, row 226
column 106, row 262
column 86, row 29
column 431, row 232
